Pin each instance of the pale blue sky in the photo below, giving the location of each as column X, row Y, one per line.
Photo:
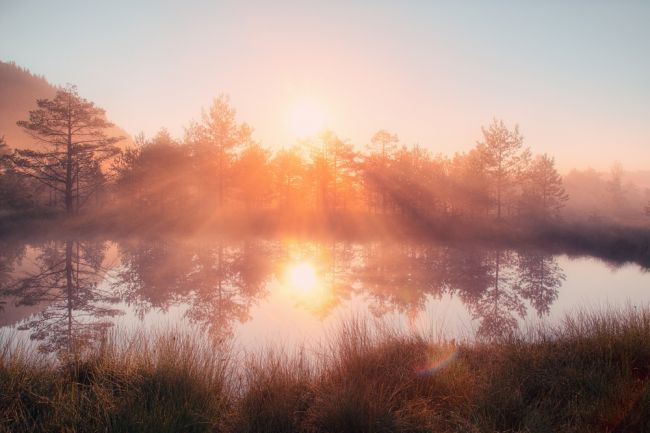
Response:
column 574, row 75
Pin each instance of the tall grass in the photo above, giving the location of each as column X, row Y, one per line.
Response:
column 160, row 384
column 590, row 373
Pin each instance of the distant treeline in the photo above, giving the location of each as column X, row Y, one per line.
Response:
column 218, row 168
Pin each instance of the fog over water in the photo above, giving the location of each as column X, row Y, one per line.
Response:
column 69, row 294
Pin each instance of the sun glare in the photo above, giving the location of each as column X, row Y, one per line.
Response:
column 306, row 119
column 302, row 277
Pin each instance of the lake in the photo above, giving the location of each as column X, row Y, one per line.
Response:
column 67, row 294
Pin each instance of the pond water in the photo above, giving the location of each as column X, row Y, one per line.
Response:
column 67, row 294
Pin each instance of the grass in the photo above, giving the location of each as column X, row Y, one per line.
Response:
column 591, row 373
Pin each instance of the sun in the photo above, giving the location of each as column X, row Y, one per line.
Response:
column 302, row 277
column 306, row 118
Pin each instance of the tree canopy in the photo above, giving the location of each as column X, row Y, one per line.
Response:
column 71, row 132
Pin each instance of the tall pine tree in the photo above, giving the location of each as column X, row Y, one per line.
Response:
column 71, row 132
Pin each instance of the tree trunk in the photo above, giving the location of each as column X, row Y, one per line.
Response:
column 68, row 167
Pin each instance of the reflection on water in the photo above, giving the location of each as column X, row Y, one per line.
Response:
column 217, row 282
column 66, row 277
column 78, row 288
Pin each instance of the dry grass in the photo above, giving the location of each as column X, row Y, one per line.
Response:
column 589, row 374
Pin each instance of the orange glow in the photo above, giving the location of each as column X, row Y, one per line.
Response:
column 302, row 278
column 303, row 285
column 306, row 118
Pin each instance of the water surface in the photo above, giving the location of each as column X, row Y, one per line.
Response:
column 66, row 294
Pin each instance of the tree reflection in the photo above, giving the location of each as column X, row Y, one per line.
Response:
column 400, row 276
column 336, row 263
column 519, row 279
column 500, row 303
column 154, row 274
column 67, row 279
column 495, row 284
column 226, row 280
column 540, row 278
column 11, row 253
column 216, row 281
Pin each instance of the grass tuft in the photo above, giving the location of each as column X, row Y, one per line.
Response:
column 590, row 373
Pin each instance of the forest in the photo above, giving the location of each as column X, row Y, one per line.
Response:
column 218, row 175
column 324, row 217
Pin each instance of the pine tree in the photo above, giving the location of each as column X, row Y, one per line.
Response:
column 544, row 194
column 504, row 157
column 381, row 152
column 71, row 132
column 290, row 182
column 216, row 140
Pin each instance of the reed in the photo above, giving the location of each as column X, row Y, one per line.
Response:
column 589, row 373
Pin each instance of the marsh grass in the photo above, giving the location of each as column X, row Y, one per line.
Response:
column 160, row 384
column 590, row 373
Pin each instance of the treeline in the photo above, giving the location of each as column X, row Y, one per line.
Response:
column 616, row 195
column 217, row 167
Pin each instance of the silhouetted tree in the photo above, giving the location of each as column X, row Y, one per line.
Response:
column 71, row 131
column 289, row 178
column 543, row 195
column 615, row 186
column 415, row 182
column 504, row 157
column 253, row 176
column 377, row 164
column 334, row 171
column 469, row 186
column 14, row 191
column 156, row 174
column 216, row 140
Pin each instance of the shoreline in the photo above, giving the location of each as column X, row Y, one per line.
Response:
column 592, row 373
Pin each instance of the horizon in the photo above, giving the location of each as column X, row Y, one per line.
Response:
column 578, row 93
column 324, row 216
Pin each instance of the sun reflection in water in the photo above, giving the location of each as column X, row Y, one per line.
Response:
column 303, row 285
column 302, row 277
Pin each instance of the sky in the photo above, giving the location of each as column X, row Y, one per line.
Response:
column 575, row 76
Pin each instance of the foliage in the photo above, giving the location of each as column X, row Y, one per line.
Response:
column 219, row 171
column 71, row 131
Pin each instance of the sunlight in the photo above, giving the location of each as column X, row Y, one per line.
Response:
column 302, row 277
column 304, row 286
column 306, row 118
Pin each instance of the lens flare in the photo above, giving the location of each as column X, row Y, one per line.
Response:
column 442, row 358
